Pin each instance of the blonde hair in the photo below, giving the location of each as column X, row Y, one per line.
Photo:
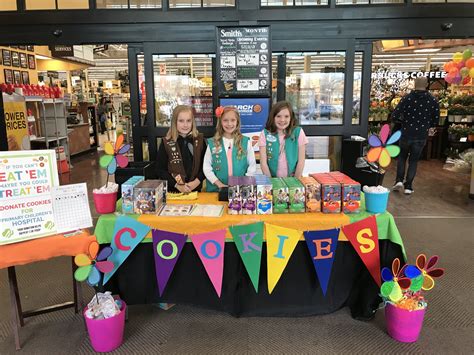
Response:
column 236, row 135
column 173, row 133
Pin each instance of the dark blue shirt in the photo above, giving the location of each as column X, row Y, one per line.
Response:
column 417, row 112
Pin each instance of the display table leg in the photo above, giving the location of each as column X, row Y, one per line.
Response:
column 17, row 317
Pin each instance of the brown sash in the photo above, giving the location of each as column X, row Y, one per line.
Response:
column 175, row 160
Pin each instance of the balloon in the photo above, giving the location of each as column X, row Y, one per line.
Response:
column 453, row 71
column 470, row 63
column 464, row 72
column 466, row 54
column 449, row 79
column 457, row 57
column 457, row 79
column 460, row 64
column 471, row 72
column 466, row 80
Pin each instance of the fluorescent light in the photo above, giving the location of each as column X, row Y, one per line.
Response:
column 427, row 50
column 38, row 56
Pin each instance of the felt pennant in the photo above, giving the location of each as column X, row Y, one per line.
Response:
column 210, row 248
column 128, row 233
column 364, row 237
column 281, row 242
column 322, row 247
column 167, row 247
column 248, row 240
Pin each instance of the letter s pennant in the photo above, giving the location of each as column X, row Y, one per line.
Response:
column 322, row 246
column 248, row 240
column 364, row 237
column 128, row 233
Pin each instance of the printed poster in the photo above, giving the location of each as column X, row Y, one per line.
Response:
column 16, row 122
column 26, row 206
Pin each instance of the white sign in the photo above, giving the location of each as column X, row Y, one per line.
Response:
column 26, row 208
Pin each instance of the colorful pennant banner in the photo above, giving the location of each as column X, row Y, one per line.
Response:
column 322, row 248
column 249, row 239
column 281, row 242
column 210, row 248
column 167, row 247
column 128, row 233
column 364, row 237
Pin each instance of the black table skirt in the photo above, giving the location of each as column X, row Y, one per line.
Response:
column 298, row 292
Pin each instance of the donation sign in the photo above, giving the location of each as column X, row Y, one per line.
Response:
column 26, row 206
column 244, row 61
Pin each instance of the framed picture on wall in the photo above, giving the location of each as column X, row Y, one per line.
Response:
column 16, row 77
column 23, row 48
column 15, row 59
column 7, row 57
column 13, row 46
column 25, row 77
column 8, row 76
column 30, row 48
column 23, row 61
column 31, row 62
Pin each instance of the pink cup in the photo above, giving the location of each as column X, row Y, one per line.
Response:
column 403, row 325
column 106, row 334
column 105, row 203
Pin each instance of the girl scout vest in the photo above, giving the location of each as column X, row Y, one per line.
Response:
column 175, row 160
column 219, row 162
column 273, row 150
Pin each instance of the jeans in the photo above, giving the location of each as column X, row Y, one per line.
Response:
column 411, row 149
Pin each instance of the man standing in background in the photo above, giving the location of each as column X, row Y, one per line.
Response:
column 417, row 112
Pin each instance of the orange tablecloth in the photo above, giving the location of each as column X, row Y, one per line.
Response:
column 44, row 249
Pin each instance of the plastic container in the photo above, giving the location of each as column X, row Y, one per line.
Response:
column 105, row 203
column 106, row 334
column 403, row 325
column 376, row 203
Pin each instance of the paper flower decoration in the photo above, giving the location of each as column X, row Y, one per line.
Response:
column 428, row 270
column 90, row 267
column 114, row 155
column 394, row 282
column 219, row 111
column 383, row 150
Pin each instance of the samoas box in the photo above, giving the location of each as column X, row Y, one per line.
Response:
column 296, row 195
column 280, row 196
column 234, row 196
column 313, row 194
column 264, row 194
column 148, row 197
column 248, row 194
column 127, row 193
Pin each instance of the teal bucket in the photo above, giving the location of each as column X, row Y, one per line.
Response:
column 376, row 203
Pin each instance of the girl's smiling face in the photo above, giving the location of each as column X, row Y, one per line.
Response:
column 229, row 122
column 282, row 119
column 184, row 123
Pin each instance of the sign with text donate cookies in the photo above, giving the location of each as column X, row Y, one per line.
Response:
column 26, row 207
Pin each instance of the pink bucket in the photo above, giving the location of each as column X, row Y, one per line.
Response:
column 105, row 203
column 403, row 325
column 106, row 334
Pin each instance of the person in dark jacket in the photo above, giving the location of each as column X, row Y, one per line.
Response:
column 416, row 112
column 181, row 153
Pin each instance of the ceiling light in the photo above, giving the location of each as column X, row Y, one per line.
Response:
column 427, row 50
column 38, row 56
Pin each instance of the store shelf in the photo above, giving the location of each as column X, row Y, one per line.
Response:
column 50, row 139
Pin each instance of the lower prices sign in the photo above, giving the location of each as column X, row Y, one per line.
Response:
column 26, row 206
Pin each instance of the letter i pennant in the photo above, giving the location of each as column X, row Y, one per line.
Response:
column 210, row 248
column 364, row 237
column 167, row 247
column 322, row 247
column 281, row 242
column 248, row 240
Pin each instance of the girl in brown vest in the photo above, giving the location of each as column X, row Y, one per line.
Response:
column 181, row 153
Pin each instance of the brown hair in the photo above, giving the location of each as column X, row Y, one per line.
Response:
column 173, row 133
column 276, row 108
column 237, row 136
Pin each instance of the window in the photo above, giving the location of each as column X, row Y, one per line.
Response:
column 325, row 147
column 315, row 87
column 442, row 1
column 179, row 4
column 364, row 2
column 56, row 4
column 183, row 80
column 8, row 5
column 357, row 87
column 125, row 4
column 293, row 2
